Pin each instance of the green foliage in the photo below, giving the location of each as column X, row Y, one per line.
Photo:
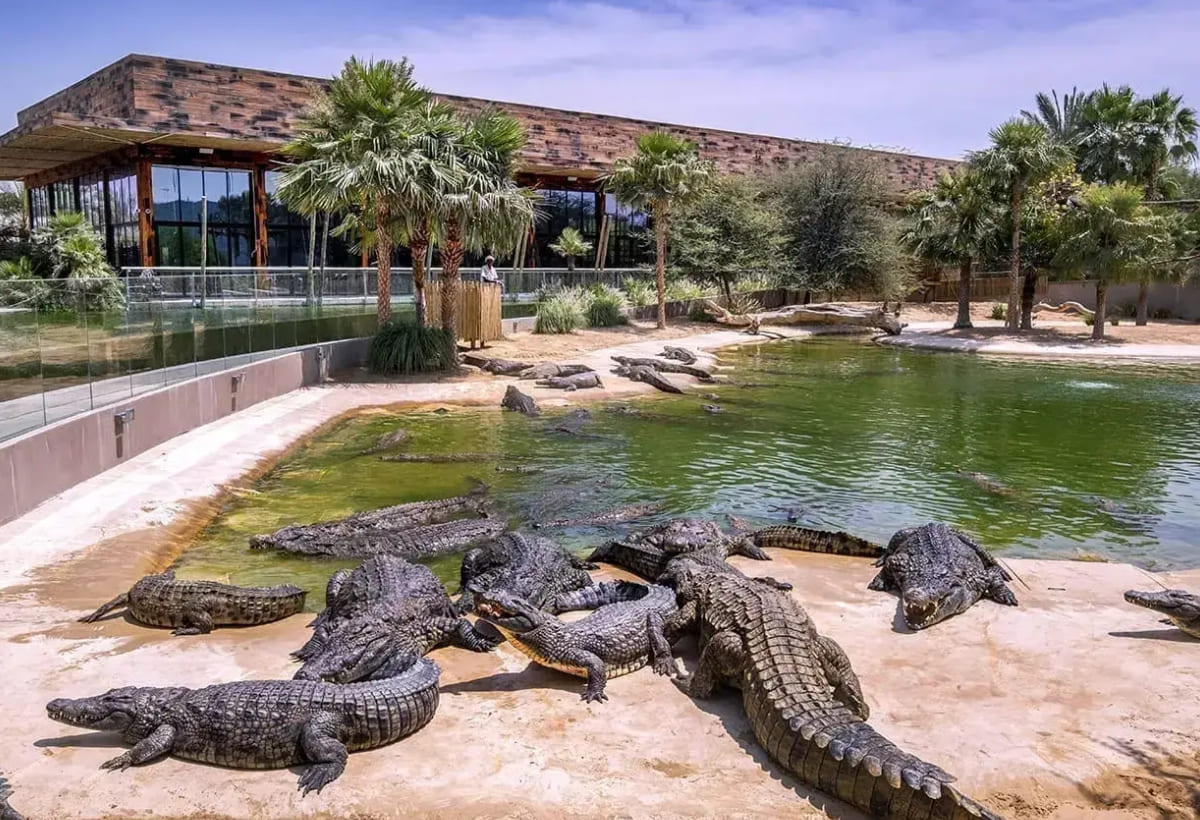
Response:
column 838, row 232
column 688, row 290
column 405, row 347
column 1062, row 119
column 998, row 312
column 959, row 218
column 754, row 282
column 731, row 228
column 66, row 270
column 604, row 307
column 1110, row 236
column 563, row 311
column 639, row 292
column 571, row 244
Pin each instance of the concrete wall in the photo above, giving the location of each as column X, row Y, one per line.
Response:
column 1183, row 301
column 47, row 461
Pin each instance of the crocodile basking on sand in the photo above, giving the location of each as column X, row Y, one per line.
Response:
column 269, row 724
column 548, row 370
column 195, row 607
column 526, row 566
column 647, row 375
column 679, row 354
column 1181, row 608
column 519, row 402
column 324, row 536
column 7, row 812
column 939, row 572
column 415, row 542
column 665, row 367
column 624, row 634
column 801, row 697
column 580, row 381
column 806, row 539
column 499, row 367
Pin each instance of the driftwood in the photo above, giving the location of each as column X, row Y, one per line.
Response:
column 826, row 314
column 1065, row 307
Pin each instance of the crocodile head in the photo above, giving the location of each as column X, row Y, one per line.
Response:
column 360, row 649
column 508, row 612
column 1183, row 608
column 262, row 542
column 114, row 711
column 928, row 601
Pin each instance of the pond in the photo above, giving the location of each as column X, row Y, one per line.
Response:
column 1035, row 459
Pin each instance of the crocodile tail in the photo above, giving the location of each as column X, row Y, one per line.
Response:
column 790, row 536
column 116, row 603
column 598, row 595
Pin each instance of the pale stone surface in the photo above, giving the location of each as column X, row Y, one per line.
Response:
column 925, row 336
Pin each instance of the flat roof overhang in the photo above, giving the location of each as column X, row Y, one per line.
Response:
column 64, row 138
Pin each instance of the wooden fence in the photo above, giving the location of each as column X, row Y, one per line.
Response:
column 478, row 310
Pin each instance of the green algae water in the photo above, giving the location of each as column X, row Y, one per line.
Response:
column 1035, row 459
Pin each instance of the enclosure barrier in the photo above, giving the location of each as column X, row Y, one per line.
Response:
column 478, row 310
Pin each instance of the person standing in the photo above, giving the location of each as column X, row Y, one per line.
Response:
column 488, row 273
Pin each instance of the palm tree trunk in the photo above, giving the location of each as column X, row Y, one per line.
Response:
column 1028, row 289
column 452, row 254
column 1014, row 270
column 570, row 263
column 964, row 294
column 418, row 246
column 660, row 260
column 383, row 262
column 1143, row 299
column 1101, row 307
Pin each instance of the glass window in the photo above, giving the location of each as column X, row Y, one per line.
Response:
column 240, row 208
column 190, row 240
column 277, row 247
column 216, row 189
column 241, row 246
column 165, row 187
column 169, row 253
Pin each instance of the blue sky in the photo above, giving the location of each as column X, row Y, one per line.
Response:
column 925, row 76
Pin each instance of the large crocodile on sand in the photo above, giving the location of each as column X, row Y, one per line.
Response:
column 267, row 724
column 806, row 539
column 679, row 354
column 499, row 367
column 415, row 542
column 939, row 572
column 647, row 375
column 801, row 697
column 7, row 812
column 580, row 381
column 548, row 370
column 529, row 567
column 1181, row 608
column 325, row 535
column 195, row 607
column 665, row 367
column 624, row 633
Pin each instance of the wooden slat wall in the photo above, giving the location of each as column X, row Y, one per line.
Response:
column 478, row 310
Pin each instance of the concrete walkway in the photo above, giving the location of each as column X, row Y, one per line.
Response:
column 1074, row 705
column 926, row 336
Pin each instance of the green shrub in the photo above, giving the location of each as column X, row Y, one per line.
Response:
column 1089, row 320
column 639, row 292
column 687, row 290
column 1127, row 310
column 741, row 303
column 1161, row 313
column 999, row 312
column 751, row 282
column 562, row 312
column 404, row 347
column 1114, row 320
column 604, row 307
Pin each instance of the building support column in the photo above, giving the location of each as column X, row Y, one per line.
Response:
column 145, row 200
column 261, row 237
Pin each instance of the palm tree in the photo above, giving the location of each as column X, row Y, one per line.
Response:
column 1110, row 235
column 665, row 172
column 481, row 205
column 1063, row 119
column 571, row 244
column 1169, row 137
column 956, row 222
column 1022, row 152
column 358, row 149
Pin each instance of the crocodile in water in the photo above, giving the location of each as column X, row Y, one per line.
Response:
column 415, row 542
column 623, row 634
column 442, row 458
column 1182, row 608
column 802, row 698
column 630, row 512
column 389, row 441
column 520, row 402
column 526, row 566
column 195, row 607
column 939, row 572
column 267, row 724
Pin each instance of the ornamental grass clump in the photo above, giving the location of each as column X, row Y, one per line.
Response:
column 403, row 346
column 605, row 307
column 638, row 292
column 562, row 311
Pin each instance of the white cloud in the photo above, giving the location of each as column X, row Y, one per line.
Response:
column 902, row 75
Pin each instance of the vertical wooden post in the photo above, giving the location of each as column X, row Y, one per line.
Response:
column 145, row 200
column 261, row 237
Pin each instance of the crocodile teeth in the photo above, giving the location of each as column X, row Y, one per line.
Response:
column 874, row 766
column 933, row 789
column 892, row 772
column 837, row 749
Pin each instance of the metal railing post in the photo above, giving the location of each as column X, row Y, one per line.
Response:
column 203, row 251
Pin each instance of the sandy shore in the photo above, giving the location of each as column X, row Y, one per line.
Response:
column 1073, row 705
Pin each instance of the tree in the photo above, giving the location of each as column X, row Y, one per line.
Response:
column 733, row 228
column 482, row 206
column 1022, row 153
column 956, row 222
column 838, row 231
column 664, row 174
column 1111, row 236
column 1169, row 130
column 1062, row 119
column 571, row 244
column 360, row 148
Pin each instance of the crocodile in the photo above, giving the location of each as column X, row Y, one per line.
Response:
column 7, row 812
column 665, row 367
column 580, row 381
column 415, row 542
column 267, row 724
column 939, row 572
column 548, row 370
column 801, row 696
column 325, row 534
column 518, row 469
column 514, row 399
column 988, row 484
column 388, row 441
column 712, row 408
column 442, row 458
column 630, row 512
column 679, row 354
column 791, row 537
column 647, row 375
column 624, row 633
column 195, row 607
column 1181, row 608
column 533, row 568
column 651, row 562
column 499, row 367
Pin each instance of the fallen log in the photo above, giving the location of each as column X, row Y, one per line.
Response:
column 827, row 314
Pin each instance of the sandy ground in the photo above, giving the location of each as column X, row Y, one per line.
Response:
column 1073, row 705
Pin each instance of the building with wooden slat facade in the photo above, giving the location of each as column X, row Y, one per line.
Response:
column 136, row 145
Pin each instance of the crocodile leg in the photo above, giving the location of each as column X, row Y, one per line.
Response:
column 116, row 603
column 324, row 749
column 156, row 745
column 841, row 677
column 196, row 621
column 660, row 651
column 723, row 658
column 882, row 582
column 459, row 632
column 597, row 676
column 999, row 591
